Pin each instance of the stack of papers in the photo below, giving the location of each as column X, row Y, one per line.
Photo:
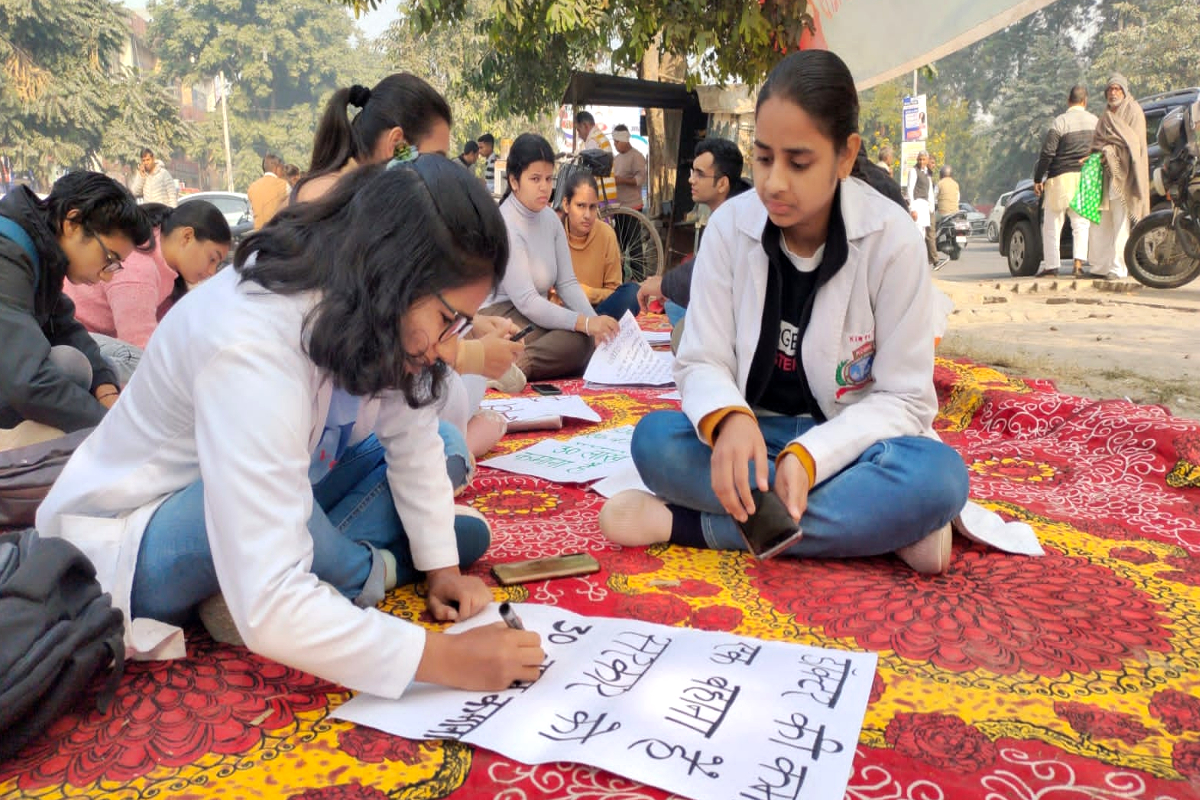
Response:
column 628, row 360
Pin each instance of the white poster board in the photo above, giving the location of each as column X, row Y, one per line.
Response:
column 628, row 360
column 524, row 409
column 579, row 460
column 705, row 715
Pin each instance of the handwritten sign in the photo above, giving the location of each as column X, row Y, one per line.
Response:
column 523, row 409
column 628, row 360
column 582, row 459
column 697, row 713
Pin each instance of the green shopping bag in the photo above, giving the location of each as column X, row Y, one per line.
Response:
column 1091, row 189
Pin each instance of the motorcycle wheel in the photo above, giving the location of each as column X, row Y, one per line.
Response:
column 1154, row 255
column 955, row 253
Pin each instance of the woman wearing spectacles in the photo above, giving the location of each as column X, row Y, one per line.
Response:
column 52, row 375
column 280, row 444
column 190, row 242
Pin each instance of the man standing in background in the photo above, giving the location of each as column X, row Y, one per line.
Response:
column 885, row 160
column 469, row 155
column 947, row 194
column 269, row 193
column 153, row 183
column 1056, row 180
column 487, row 151
column 629, row 169
column 590, row 136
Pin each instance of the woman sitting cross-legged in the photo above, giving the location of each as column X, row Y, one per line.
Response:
column 540, row 261
column 806, row 365
column 595, row 251
column 280, row 444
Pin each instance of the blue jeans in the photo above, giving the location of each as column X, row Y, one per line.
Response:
column 458, row 457
column 353, row 516
column 897, row 492
column 674, row 312
column 623, row 298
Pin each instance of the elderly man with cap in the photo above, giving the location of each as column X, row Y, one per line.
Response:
column 629, row 169
column 1120, row 140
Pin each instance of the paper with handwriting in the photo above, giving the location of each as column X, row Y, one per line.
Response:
column 705, row 715
column 520, row 409
column 628, row 360
column 582, row 459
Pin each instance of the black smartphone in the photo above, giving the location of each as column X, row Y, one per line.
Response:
column 770, row 529
column 545, row 389
column 540, row 569
column 521, row 334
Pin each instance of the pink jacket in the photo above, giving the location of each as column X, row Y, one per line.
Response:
column 127, row 307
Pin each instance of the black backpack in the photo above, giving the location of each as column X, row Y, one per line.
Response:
column 58, row 631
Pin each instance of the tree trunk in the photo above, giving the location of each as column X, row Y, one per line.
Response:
column 662, row 128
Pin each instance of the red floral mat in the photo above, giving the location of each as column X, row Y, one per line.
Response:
column 1069, row 676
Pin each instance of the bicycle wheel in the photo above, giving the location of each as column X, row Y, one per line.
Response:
column 641, row 246
column 1155, row 256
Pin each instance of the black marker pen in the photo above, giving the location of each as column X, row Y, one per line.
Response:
column 510, row 617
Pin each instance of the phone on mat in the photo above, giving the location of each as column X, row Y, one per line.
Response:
column 540, row 569
column 770, row 529
column 545, row 389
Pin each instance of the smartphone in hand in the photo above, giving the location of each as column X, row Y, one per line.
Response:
column 770, row 529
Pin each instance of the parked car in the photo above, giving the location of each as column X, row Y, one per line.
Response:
column 992, row 226
column 234, row 205
column 1021, row 222
column 975, row 218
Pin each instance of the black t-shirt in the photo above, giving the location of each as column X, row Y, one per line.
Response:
column 786, row 392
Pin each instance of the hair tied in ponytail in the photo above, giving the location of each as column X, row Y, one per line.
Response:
column 359, row 95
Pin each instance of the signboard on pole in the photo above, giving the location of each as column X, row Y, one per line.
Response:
column 916, row 122
column 908, row 158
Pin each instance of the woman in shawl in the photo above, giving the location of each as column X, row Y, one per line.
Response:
column 1121, row 142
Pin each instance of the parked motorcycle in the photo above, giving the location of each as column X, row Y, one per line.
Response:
column 1163, row 250
column 951, row 234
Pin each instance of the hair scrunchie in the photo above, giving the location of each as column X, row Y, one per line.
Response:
column 359, row 95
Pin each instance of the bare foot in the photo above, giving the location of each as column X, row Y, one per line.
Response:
column 634, row 518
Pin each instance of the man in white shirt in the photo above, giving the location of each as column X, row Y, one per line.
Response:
column 153, row 183
column 589, row 133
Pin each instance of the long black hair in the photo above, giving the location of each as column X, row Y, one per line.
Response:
column 821, row 84
column 206, row 221
column 529, row 148
column 400, row 100
column 377, row 243
column 103, row 206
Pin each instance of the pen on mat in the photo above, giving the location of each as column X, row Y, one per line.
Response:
column 510, row 617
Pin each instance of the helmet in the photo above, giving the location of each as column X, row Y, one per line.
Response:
column 1171, row 133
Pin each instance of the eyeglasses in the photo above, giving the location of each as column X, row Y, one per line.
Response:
column 456, row 326
column 112, row 261
column 698, row 173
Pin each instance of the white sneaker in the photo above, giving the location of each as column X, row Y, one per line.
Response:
column 931, row 555
column 511, row 382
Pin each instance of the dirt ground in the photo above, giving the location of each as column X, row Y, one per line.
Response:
column 1092, row 338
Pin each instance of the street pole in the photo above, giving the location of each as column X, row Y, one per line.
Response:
column 914, row 94
column 225, row 121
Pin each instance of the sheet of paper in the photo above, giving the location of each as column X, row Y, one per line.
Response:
column 980, row 525
column 518, row 409
column 626, row 477
column 582, row 459
column 675, row 395
column 627, row 360
column 704, row 715
column 657, row 338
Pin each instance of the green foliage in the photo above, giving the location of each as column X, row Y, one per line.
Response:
column 534, row 45
column 284, row 58
column 61, row 100
column 449, row 57
column 1154, row 44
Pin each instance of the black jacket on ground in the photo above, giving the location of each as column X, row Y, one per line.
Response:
column 32, row 322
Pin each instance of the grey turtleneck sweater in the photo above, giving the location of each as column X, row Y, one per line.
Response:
column 539, row 259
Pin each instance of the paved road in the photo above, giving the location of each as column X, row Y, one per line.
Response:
column 982, row 261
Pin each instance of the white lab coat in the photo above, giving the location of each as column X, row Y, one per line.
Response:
column 868, row 348
column 226, row 393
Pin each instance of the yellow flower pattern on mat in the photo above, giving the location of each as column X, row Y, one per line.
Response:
column 1013, row 469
